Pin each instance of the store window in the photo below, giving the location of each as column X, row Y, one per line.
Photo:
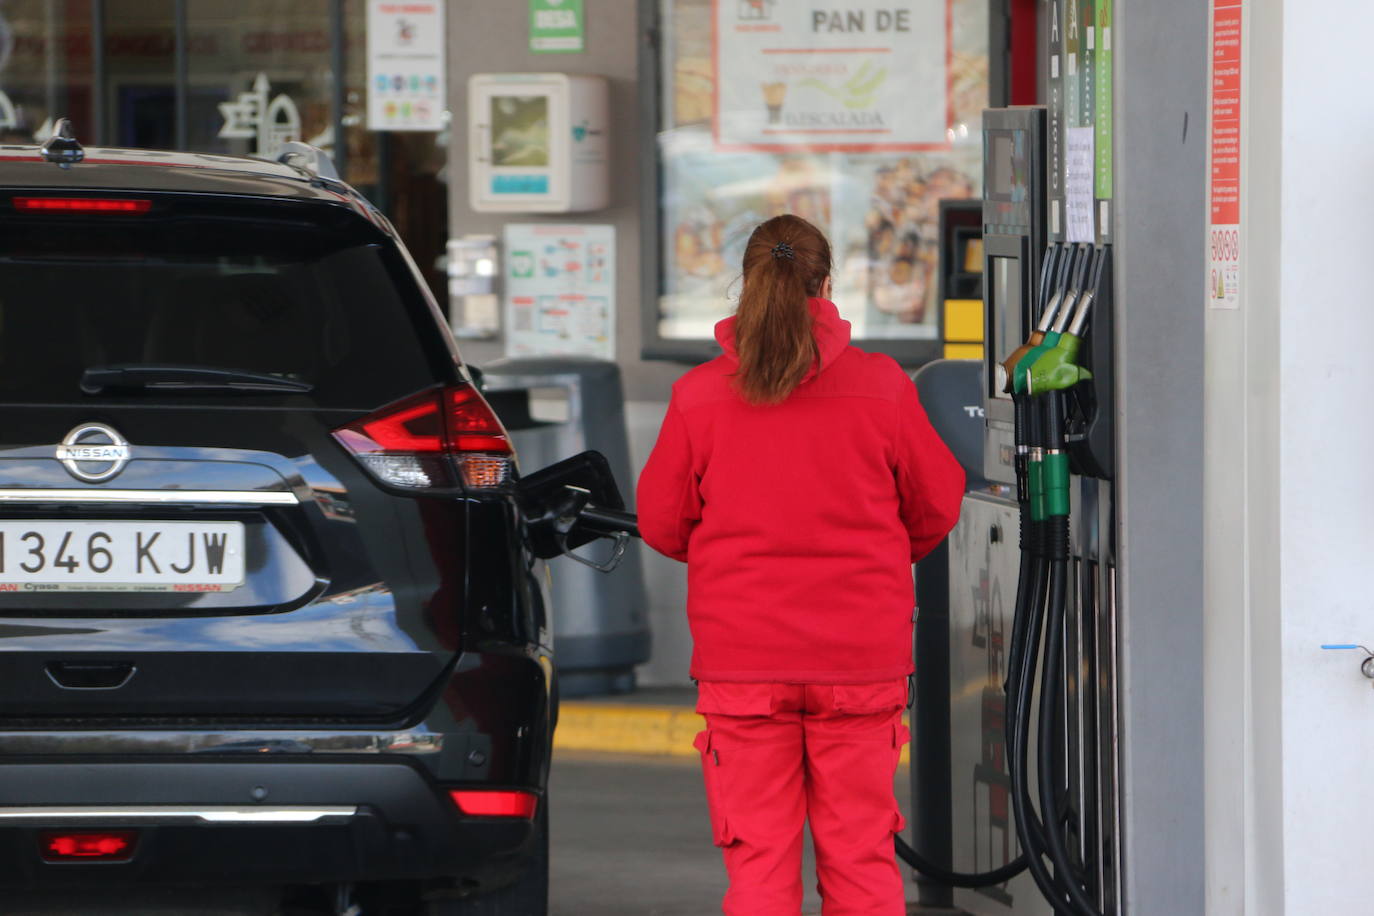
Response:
column 270, row 62
column 45, row 66
column 857, row 115
column 238, row 77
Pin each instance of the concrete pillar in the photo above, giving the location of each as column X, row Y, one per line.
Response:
column 1288, row 532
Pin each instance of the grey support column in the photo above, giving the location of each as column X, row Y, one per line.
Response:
column 1161, row 53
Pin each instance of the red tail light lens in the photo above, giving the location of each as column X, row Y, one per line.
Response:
column 83, row 204
column 424, row 440
column 104, row 846
column 485, row 803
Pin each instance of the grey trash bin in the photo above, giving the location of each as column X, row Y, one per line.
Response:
column 600, row 624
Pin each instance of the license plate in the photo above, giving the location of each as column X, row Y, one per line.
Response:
column 86, row 556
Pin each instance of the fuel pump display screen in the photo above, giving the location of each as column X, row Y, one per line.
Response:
column 1005, row 293
column 1014, row 230
column 1001, row 176
column 1007, row 170
column 520, row 130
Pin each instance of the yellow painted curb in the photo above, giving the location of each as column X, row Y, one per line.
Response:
column 624, row 728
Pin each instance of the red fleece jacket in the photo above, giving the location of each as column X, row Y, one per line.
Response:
column 799, row 521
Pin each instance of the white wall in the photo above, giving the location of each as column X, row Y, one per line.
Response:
column 1289, row 536
column 1327, row 516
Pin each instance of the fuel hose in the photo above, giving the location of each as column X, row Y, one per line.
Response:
column 1057, row 556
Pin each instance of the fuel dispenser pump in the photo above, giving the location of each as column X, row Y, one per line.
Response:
column 1048, row 376
column 1048, row 450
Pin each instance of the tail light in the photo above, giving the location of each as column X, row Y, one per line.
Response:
column 102, row 846
column 489, row 803
column 83, row 204
column 434, row 439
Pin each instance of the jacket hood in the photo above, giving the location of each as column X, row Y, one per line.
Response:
column 830, row 330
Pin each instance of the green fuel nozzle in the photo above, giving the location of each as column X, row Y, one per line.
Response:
column 1053, row 257
column 1051, row 263
column 1050, row 377
column 1069, row 285
column 1057, row 369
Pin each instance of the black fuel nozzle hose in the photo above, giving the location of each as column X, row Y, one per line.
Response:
column 608, row 521
column 957, row 878
column 1065, row 869
column 1029, row 612
column 1031, row 832
column 1024, row 814
column 1021, row 411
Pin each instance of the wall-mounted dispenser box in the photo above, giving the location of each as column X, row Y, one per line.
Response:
column 473, row 263
column 538, row 142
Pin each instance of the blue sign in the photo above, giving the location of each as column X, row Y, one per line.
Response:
column 520, row 184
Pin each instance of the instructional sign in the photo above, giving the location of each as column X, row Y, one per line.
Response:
column 1223, row 158
column 405, row 65
column 560, row 290
column 852, row 76
column 1078, row 184
column 557, row 26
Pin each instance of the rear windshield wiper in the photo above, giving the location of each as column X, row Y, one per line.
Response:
column 142, row 376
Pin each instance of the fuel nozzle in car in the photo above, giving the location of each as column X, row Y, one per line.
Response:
column 572, row 503
column 570, row 511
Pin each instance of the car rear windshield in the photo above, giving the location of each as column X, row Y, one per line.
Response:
column 342, row 318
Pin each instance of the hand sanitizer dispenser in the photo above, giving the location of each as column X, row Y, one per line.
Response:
column 538, row 142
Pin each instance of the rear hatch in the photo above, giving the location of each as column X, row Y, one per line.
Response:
column 181, row 534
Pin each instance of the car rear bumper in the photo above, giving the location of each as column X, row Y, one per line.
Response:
column 284, row 821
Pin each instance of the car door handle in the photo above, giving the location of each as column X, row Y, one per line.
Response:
column 90, row 675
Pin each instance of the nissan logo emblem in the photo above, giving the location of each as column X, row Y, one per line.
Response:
column 94, row 452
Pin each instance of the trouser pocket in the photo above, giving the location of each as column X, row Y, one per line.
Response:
column 870, row 699
column 715, row 801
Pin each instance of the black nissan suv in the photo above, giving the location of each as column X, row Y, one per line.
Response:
column 270, row 609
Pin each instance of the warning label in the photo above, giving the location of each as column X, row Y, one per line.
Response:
column 1224, row 236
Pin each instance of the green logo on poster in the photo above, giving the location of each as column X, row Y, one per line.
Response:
column 859, row 91
column 522, row 264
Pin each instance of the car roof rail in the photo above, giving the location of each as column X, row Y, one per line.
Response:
column 311, row 158
column 62, row 147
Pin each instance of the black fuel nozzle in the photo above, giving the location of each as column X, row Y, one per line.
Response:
column 1048, row 267
column 1073, row 294
column 1090, row 290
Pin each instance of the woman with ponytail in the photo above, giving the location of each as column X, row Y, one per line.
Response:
column 799, row 479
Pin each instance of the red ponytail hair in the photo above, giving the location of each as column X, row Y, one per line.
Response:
column 786, row 261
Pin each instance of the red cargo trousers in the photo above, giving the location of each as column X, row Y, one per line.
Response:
column 776, row 755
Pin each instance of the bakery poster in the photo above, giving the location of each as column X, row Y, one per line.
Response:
column 832, row 76
column 560, row 290
column 878, row 205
